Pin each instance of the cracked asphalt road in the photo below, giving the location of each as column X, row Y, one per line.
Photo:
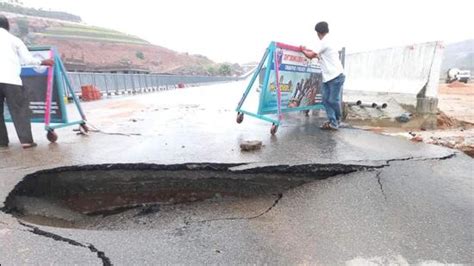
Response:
column 414, row 204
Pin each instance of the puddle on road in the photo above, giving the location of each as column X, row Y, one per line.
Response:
column 126, row 196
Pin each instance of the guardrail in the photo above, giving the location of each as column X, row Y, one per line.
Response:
column 116, row 84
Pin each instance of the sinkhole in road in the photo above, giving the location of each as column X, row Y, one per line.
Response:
column 122, row 196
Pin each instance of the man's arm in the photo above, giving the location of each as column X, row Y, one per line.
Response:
column 309, row 53
column 27, row 59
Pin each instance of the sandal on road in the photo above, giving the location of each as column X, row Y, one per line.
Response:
column 328, row 126
column 331, row 127
column 325, row 125
column 28, row 145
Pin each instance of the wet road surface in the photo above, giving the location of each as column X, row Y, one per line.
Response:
column 410, row 203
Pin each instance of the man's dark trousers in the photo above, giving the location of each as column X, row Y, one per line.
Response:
column 18, row 104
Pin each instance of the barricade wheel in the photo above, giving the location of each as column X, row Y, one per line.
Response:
column 52, row 136
column 83, row 128
column 240, row 117
column 274, row 129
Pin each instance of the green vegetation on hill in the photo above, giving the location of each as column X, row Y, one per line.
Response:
column 90, row 33
column 14, row 8
column 211, row 69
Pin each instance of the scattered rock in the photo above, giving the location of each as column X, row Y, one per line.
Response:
column 251, row 145
column 405, row 117
column 461, row 143
column 468, row 149
column 417, row 139
column 459, row 139
column 451, row 144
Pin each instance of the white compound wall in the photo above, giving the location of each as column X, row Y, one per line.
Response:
column 398, row 70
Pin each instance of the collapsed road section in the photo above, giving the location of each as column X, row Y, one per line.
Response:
column 80, row 196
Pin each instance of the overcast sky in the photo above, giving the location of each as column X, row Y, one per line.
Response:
column 240, row 30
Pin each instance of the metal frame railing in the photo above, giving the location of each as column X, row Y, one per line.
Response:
column 116, row 84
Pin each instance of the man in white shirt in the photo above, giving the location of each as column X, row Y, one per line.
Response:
column 14, row 54
column 333, row 75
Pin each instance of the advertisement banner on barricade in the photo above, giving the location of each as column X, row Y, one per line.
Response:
column 300, row 84
column 47, row 87
column 36, row 80
column 287, row 82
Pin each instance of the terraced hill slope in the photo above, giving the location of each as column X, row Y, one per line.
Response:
column 89, row 48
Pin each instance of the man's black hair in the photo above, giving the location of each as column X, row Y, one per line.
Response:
column 322, row 27
column 4, row 23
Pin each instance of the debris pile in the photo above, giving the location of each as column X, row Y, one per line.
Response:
column 457, row 84
column 461, row 143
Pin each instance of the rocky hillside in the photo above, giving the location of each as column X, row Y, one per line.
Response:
column 88, row 48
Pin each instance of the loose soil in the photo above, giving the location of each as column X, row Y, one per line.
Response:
column 455, row 120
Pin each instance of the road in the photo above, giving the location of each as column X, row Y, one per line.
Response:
column 382, row 199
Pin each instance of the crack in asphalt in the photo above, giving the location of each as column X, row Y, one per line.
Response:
column 450, row 156
column 411, row 158
column 279, row 197
column 378, row 177
column 380, row 184
column 106, row 261
column 100, row 254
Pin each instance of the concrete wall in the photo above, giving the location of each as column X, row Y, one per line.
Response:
column 398, row 70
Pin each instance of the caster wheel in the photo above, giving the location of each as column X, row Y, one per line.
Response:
column 83, row 128
column 52, row 136
column 240, row 118
column 274, row 129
